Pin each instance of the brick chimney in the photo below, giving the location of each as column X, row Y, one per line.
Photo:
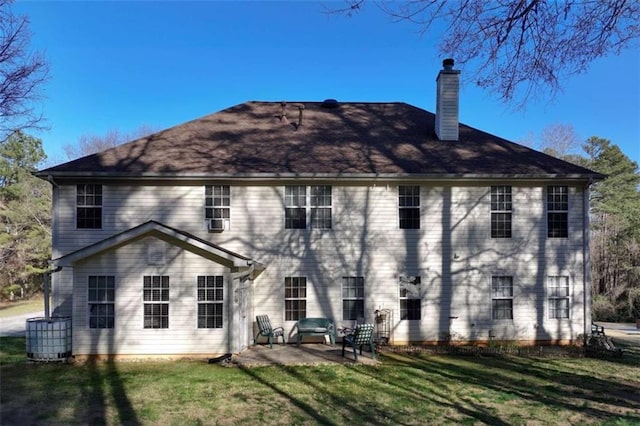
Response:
column 447, row 101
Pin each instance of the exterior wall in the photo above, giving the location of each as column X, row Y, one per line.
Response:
column 128, row 264
column 452, row 253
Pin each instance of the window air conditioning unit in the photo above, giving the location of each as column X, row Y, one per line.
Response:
column 217, row 224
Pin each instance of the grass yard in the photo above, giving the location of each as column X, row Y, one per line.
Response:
column 404, row 389
column 9, row 309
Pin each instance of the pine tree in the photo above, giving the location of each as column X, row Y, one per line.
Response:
column 25, row 212
column 615, row 230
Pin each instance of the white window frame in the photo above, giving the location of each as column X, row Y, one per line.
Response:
column 502, row 200
column 217, row 205
column 407, row 202
column 553, row 286
column 211, row 294
column 497, row 294
column 409, row 289
column 154, row 301
column 89, row 195
column 108, row 301
column 352, row 293
column 551, row 193
column 308, row 203
column 317, row 203
column 297, row 286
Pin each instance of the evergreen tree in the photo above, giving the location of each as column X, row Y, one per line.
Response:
column 615, row 230
column 25, row 212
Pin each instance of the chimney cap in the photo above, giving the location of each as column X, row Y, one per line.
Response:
column 448, row 63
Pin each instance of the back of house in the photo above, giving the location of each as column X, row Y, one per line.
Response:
column 378, row 212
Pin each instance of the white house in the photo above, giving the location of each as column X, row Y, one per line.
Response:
column 172, row 244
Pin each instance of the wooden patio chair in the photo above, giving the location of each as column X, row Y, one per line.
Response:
column 265, row 330
column 362, row 335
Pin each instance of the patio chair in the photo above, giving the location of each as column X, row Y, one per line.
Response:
column 349, row 330
column 362, row 335
column 597, row 330
column 265, row 330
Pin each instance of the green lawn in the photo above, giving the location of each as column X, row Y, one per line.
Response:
column 417, row 389
column 9, row 309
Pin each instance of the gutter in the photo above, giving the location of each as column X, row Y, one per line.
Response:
column 46, row 284
column 586, row 262
column 111, row 176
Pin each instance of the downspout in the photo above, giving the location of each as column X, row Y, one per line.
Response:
column 586, row 261
column 51, row 181
column 46, row 284
column 47, row 275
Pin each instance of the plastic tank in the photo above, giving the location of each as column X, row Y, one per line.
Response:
column 48, row 339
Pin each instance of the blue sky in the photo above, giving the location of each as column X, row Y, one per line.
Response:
column 120, row 65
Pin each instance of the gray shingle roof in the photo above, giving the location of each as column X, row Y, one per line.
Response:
column 351, row 139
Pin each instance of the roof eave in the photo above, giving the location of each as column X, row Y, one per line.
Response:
column 324, row 176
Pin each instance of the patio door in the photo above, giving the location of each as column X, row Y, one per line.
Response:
column 241, row 313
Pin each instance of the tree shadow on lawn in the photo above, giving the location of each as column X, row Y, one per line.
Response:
column 104, row 387
column 42, row 391
column 364, row 395
column 538, row 380
column 414, row 389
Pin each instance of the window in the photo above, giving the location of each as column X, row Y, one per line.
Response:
column 501, row 211
column 321, row 207
column 502, row 297
column 296, row 202
column 155, row 295
column 210, row 300
column 295, row 298
column 101, row 298
column 558, row 293
column 410, row 298
column 409, row 207
column 89, row 206
column 557, row 212
column 217, row 202
column 352, row 298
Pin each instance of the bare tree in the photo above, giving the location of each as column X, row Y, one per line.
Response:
column 560, row 140
column 22, row 74
column 91, row 144
column 520, row 49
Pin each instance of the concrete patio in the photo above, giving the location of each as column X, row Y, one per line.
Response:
column 306, row 354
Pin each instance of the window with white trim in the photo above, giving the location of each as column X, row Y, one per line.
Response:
column 409, row 206
column 557, row 212
column 217, row 202
column 307, row 205
column 295, row 207
column 155, row 295
column 101, row 299
column 352, row 298
column 558, row 296
column 88, row 206
column 410, row 298
column 501, row 211
column 502, row 297
column 320, row 203
column 210, row 295
column 295, row 298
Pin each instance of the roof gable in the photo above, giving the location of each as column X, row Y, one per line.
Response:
column 171, row 235
column 256, row 139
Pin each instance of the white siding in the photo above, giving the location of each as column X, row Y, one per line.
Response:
column 452, row 252
column 128, row 265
